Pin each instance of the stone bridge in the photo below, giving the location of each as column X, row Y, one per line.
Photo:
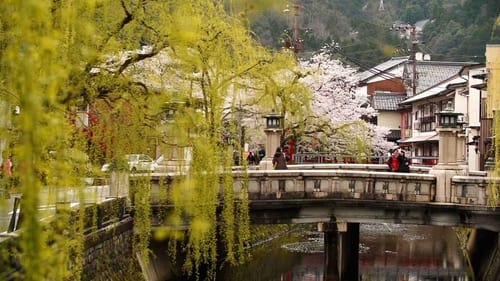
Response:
column 360, row 194
column 336, row 196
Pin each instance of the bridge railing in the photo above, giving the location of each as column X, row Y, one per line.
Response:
column 339, row 184
column 323, row 158
column 342, row 166
column 355, row 167
column 346, row 181
column 471, row 190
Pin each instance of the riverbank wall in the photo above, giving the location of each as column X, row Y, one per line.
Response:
column 484, row 254
column 107, row 252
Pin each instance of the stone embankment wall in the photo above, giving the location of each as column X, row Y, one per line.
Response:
column 484, row 253
column 109, row 254
column 109, row 251
column 108, row 245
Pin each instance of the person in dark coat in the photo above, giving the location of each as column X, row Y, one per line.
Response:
column 404, row 163
column 261, row 154
column 279, row 160
column 252, row 160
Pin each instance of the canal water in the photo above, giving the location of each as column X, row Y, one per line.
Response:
column 387, row 252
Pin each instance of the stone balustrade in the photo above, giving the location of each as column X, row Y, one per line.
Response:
column 309, row 193
column 355, row 167
column 344, row 184
column 355, row 181
column 471, row 190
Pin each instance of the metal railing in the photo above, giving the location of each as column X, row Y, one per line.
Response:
column 320, row 158
column 325, row 158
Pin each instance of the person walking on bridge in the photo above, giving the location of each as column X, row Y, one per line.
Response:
column 252, row 160
column 261, row 154
column 279, row 160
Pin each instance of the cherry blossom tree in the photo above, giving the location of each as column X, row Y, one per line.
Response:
column 338, row 120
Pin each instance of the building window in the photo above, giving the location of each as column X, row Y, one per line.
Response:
column 428, row 123
column 483, row 109
column 444, row 103
column 409, row 123
column 428, row 119
column 426, row 153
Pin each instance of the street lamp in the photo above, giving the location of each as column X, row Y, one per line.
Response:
column 273, row 121
column 274, row 125
column 450, row 150
column 448, row 118
column 170, row 109
column 177, row 155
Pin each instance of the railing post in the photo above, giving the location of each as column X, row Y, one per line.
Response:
column 281, row 185
column 119, row 184
column 481, row 194
column 16, row 217
column 417, row 188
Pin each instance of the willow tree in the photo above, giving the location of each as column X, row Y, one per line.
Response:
column 39, row 51
column 58, row 56
column 287, row 94
column 218, row 67
column 62, row 55
column 206, row 62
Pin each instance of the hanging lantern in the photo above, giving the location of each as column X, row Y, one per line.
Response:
column 448, row 118
column 273, row 121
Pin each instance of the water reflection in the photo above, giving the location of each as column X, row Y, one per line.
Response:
column 387, row 252
column 402, row 252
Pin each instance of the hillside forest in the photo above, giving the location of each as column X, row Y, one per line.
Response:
column 365, row 34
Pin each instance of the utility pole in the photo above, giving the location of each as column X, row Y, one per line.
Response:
column 381, row 5
column 414, row 42
column 295, row 43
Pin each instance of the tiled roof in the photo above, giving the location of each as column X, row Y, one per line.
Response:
column 431, row 73
column 387, row 101
column 381, row 68
column 434, row 91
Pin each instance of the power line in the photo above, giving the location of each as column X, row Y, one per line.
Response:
column 429, row 51
column 382, row 73
column 364, row 66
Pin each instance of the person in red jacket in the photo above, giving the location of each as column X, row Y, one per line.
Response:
column 394, row 161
